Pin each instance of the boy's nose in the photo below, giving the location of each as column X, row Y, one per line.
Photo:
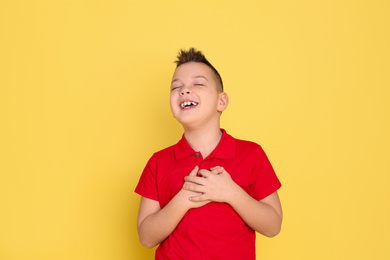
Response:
column 185, row 91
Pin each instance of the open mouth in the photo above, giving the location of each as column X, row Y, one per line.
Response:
column 188, row 104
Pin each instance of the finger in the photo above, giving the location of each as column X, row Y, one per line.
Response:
column 195, row 179
column 194, row 172
column 204, row 173
column 193, row 187
column 217, row 170
column 199, row 198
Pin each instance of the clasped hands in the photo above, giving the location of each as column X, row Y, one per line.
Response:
column 210, row 185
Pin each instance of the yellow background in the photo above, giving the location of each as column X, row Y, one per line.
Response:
column 84, row 104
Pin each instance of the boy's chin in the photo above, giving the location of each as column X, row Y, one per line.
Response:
column 187, row 123
column 184, row 122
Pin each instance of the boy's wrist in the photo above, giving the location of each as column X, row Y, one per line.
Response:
column 235, row 195
column 182, row 201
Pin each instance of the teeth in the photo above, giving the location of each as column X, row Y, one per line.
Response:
column 188, row 103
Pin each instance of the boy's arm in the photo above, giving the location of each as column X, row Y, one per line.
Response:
column 155, row 224
column 264, row 216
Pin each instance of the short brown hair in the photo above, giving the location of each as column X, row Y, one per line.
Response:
column 193, row 55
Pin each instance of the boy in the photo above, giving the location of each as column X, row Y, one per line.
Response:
column 205, row 197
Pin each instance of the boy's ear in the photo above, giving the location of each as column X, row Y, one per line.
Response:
column 222, row 102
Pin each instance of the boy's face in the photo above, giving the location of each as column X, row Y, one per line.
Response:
column 195, row 100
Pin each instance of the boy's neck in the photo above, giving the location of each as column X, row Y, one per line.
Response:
column 203, row 140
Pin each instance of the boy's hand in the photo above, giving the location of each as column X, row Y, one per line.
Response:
column 186, row 194
column 214, row 185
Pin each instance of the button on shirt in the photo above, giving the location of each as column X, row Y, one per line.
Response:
column 214, row 231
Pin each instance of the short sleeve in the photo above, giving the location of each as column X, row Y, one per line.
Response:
column 147, row 185
column 265, row 181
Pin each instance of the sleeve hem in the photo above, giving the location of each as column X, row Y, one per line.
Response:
column 268, row 191
column 146, row 195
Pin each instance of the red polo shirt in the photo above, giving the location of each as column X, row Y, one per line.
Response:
column 214, row 231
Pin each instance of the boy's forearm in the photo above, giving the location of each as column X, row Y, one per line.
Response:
column 158, row 226
column 259, row 215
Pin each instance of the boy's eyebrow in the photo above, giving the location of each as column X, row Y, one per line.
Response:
column 193, row 77
column 174, row 80
column 201, row 77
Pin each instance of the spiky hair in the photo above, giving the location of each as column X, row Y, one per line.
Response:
column 193, row 55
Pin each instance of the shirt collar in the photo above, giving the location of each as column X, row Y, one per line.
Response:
column 226, row 148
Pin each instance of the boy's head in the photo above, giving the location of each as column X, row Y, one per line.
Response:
column 197, row 97
column 193, row 55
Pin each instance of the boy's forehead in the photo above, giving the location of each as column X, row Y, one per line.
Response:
column 194, row 70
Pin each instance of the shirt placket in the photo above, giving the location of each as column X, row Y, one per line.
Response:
column 198, row 158
column 202, row 163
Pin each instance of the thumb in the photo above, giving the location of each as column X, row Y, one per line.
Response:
column 217, row 170
column 194, row 172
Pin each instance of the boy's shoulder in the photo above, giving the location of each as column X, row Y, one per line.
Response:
column 246, row 142
column 166, row 151
column 247, row 146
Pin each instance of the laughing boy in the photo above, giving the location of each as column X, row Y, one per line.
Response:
column 207, row 195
